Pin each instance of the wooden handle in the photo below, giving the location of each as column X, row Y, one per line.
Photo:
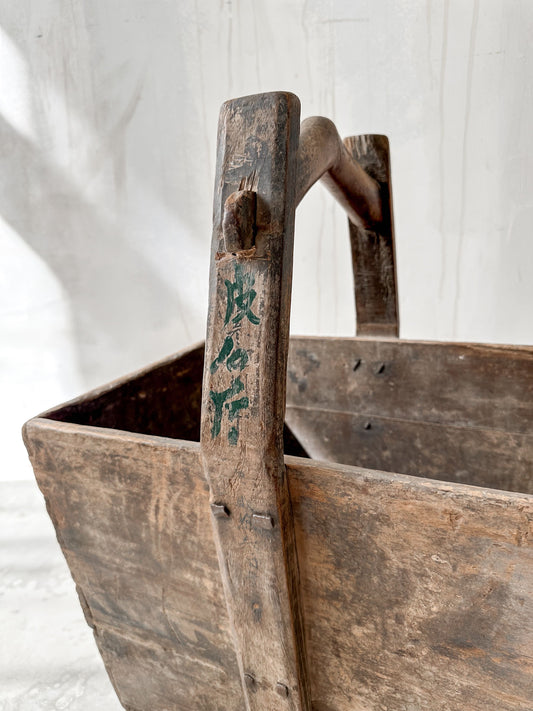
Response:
column 323, row 155
column 373, row 245
column 263, row 169
column 357, row 173
column 243, row 401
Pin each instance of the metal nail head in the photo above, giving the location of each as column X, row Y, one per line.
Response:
column 282, row 690
column 251, row 684
column 220, row 511
column 261, row 520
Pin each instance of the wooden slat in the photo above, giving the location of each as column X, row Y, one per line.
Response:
column 373, row 252
column 457, row 412
column 480, row 457
column 417, row 595
column 132, row 519
column 244, row 396
column 475, row 385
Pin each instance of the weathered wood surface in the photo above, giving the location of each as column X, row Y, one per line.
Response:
column 464, row 384
column 323, row 155
column 244, row 395
column 459, row 412
column 163, row 399
column 417, row 594
column 373, row 251
column 449, row 411
column 131, row 514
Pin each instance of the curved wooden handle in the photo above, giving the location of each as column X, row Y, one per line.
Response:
column 357, row 173
column 323, row 155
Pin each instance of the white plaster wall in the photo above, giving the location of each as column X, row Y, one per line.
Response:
column 108, row 113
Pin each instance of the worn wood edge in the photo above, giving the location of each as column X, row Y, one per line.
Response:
column 525, row 348
column 322, row 466
column 116, row 383
column 412, row 483
column 44, row 424
column 63, row 437
column 168, row 360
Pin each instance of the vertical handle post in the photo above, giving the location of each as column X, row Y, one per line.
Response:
column 243, row 402
column 373, row 250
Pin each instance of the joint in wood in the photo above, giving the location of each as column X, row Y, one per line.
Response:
column 220, row 511
column 262, row 520
column 239, row 221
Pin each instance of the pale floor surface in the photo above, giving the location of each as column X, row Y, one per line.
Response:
column 48, row 658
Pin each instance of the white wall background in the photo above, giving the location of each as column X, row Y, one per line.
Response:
column 108, row 114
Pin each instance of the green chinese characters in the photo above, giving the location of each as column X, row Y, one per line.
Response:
column 240, row 297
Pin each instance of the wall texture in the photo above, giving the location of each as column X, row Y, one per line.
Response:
column 108, row 113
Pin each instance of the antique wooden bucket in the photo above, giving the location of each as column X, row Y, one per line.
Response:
column 385, row 562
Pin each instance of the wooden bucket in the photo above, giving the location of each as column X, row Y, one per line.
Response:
column 390, row 572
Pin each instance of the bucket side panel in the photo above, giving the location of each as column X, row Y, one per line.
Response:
column 417, row 594
column 132, row 516
column 449, row 411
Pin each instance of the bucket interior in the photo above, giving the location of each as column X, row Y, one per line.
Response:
column 452, row 412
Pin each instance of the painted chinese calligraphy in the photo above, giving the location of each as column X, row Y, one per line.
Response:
column 240, row 298
column 234, row 359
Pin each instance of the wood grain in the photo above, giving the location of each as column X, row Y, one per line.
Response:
column 417, row 594
column 373, row 250
column 131, row 515
column 459, row 412
column 480, row 457
column 244, row 396
column 462, row 384
column 286, row 583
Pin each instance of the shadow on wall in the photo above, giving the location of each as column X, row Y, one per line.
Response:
column 116, row 297
column 120, row 286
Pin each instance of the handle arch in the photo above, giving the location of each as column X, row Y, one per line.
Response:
column 357, row 173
